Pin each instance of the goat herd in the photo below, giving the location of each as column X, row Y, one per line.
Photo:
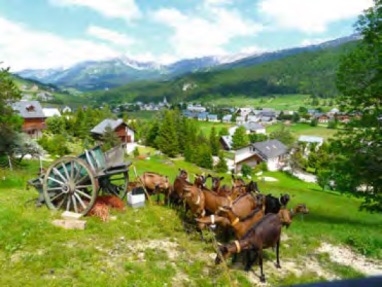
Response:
column 256, row 219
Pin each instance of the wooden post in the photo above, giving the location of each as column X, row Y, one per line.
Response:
column 10, row 163
column 143, row 185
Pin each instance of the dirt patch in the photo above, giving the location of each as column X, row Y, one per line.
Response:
column 171, row 248
column 345, row 256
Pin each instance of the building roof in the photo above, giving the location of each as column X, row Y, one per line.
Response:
column 29, row 109
column 252, row 126
column 270, row 149
column 310, row 139
column 227, row 117
column 227, row 141
column 51, row 112
column 101, row 127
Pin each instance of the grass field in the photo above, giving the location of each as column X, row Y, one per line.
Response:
column 150, row 247
column 278, row 102
column 305, row 129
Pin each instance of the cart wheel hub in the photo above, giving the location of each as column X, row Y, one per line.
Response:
column 66, row 188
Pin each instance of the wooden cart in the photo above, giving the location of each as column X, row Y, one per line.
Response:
column 73, row 183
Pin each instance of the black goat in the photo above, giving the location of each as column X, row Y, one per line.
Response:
column 273, row 204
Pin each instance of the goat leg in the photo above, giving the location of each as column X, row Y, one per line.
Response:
column 251, row 259
column 278, row 254
column 262, row 276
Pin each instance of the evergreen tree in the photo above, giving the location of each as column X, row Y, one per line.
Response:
column 283, row 135
column 240, row 138
column 110, row 139
column 359, row 146
column 204, row 156
column 221, row 166
column 167, row 140
column 214, row 142
column 223, row 132
column 10, row 122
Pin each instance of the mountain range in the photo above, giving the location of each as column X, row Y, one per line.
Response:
column 108, row 74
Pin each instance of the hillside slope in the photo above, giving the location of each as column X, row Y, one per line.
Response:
column 311, row 72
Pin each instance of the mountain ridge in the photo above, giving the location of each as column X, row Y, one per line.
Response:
column 103, row 75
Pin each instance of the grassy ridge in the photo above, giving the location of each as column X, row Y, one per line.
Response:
column 149, row 246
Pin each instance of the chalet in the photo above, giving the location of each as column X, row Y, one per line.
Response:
column 322, row 118
column 253, row 118
column 226, row 142
column 342, row 118
column 212, row 118
column 123, row 131
column 243, row 112
column 66, row 109
column 240, row 120
column 51, row 112
column 33, row 115
column 309, row 142
column 252, row 127
column 273, row 152
column 227, row 118
column 202, row 116
column 196, row 108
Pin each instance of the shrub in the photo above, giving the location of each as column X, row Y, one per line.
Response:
column 246, row 170
column 136, row 152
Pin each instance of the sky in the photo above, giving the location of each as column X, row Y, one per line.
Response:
column 42, row 34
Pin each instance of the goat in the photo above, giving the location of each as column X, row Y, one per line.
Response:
column 156, row 184
column 176, row 196
column 273, row 204
column 264, row 234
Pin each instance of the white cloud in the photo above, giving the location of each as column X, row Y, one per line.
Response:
column 217, row 2
column 252, row 50
column 110, row 36
column 124, row 9
column 21, row 47
column 311, row 16
column 196, row 36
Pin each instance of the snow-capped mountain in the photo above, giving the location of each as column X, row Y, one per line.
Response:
column 93, row 75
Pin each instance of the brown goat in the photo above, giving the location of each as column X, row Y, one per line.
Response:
column 156, row 184
column 176, row 195
column 195, row 199
column 264, row 234
column 213, row 201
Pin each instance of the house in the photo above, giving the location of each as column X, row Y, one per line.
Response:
column 202, row 116
column 252, row 127
column 309, row 141
column 44, row 96
column 243, row 112
column 322, row 118
column 272, row 152
column 227, row 118
column 226, row 142
column 253, row 118
column 196, row 108
column 51, row 112
column 33, row 115
column 240, row 120
column 123, row 131
column 342, row 118
column 333, row 111
column 212, row 118
column 66, row 109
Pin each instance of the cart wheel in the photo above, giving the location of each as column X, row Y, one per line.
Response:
column 69, row 183
column 115, row 184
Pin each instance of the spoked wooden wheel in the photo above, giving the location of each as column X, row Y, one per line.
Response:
column 115, row 184
column 70, row 184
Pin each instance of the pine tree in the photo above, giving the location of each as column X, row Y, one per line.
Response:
column 167, row 140
column 222, row 164
column 240, row 138
column 110, row 139
column 214, row 142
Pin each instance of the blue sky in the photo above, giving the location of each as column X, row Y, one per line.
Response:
column 60, row 33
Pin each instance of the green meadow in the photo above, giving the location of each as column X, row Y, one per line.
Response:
column 151, row 246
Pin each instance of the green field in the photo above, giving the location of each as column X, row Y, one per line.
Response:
column 305, row 129
column 277, row 102
column 150, row 247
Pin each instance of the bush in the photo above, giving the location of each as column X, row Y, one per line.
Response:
column 261, row 167
column 246, row 170
column 136, row 152
column 222, row 164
